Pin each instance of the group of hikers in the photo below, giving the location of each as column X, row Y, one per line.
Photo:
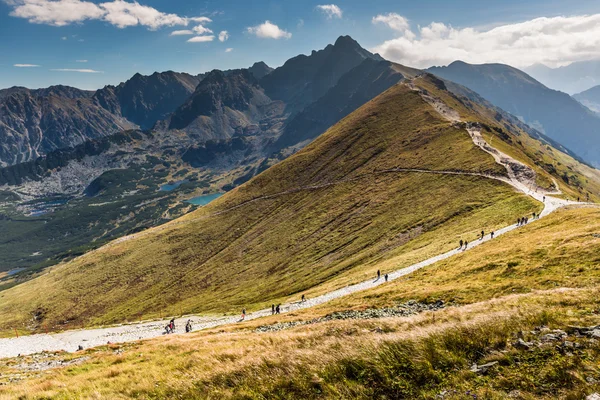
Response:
column 386, row 276
column 171, row 327
column 464, row 244
column 524, row 220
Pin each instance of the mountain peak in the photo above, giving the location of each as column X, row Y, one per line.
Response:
column 346, row 41
column 260, row 69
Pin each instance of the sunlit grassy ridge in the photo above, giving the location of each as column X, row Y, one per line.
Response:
column 330, row 216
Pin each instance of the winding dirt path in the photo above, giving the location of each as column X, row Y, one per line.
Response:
column 520, row 176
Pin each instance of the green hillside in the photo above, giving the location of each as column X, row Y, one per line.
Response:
column 324, row 217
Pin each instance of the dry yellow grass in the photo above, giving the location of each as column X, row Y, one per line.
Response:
column 288, row 363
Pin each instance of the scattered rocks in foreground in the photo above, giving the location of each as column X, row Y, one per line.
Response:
column 402, row 310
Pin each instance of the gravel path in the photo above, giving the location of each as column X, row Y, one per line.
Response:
column 520, row 176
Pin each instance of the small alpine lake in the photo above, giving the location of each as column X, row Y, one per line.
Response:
column 204, row 199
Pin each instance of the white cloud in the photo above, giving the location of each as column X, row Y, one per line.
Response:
column 57, row 13
column 119, row 13
column 229, row 50
column 201, row 39
column 300, row 23
column 552, row 41
column 182, row 32
column 201, row 30
column 223, row 36
column 84, row 71
column 64, row 38
column 331, row 10
column 81, row 61
column 26, row 65
column 268, row 30
column 394, row 21
column 123, row 14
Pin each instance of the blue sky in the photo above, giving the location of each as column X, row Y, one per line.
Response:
column 90, row 43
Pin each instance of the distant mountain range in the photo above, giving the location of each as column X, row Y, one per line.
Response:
column 554, row 113
column 590, row 98
column 573, row 78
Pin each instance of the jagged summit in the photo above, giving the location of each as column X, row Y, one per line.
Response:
column 260, row 69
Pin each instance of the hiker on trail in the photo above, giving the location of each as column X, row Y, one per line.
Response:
column 386, row 277
column 303, row 299
column 482, row 235
column 378, row 274
column 519, row 222
column 272, row 309
column 170, row 328
column 243, row 314
column 278, row 309
column 492, row 234
column 544, row 200
column 466, row 244
column 461, row 244
column 188, row 326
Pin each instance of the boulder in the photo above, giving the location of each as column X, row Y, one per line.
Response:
column 520, row 344
column 484, row 368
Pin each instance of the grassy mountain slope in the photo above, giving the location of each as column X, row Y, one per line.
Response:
column 320, row 219
column 559, row 251
column 418, row 357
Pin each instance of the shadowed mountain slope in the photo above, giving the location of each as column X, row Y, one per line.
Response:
column 590, row 98
column 304, row 79
column 144, row 100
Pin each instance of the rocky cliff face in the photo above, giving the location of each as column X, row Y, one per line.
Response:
column 225, row 105
column 35, row 122
column 143, row 100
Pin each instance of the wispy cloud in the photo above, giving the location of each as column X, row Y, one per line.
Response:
column 118, row 13
column 552, row 41
column 331, row 10
column 229, row 50
column 182, row 32
column 81, row 61
column 83, row 70
column 223, row 36
column 268, row 30
column 26, row 65
column 201, row 39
